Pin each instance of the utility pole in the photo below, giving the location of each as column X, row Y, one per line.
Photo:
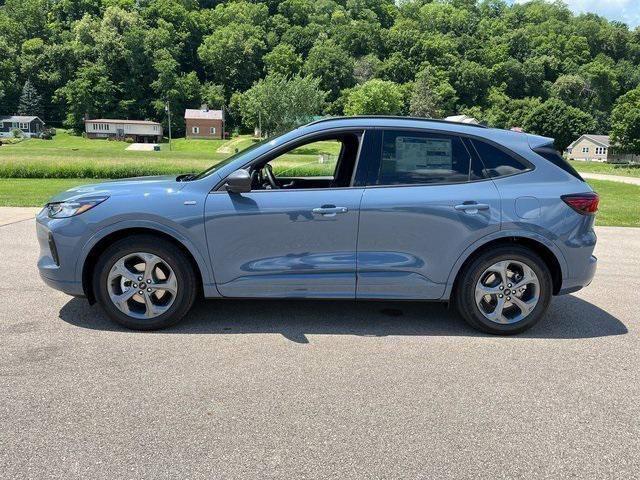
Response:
column 167, row 109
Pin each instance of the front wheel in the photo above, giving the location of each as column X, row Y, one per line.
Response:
column 504, row 291
column 144, row 282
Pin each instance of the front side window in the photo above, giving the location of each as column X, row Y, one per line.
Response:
column 496, row 162
column 195, row 130
column 423, row 158
column 212, row 130
column 585, row 149
column 24, row 126
column 327, row 162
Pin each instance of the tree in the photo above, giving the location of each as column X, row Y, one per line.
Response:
column 331, row 64
column 573, row 90
column 283, row 60
column 30, row 101
column 375, row 97
column 90, row 93
column 433, row 96
column 556, row 119
column 232, row 55
column 279, row 103
column 625, row 122
column 213, row 95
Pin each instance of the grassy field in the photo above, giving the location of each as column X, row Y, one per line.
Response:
column 606, row 168
column 34, row 192
column 618, row 201
column 70, row 156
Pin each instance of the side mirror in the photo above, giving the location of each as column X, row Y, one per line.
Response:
column 239, row 182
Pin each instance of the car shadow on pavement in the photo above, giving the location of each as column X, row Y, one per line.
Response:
column 568, row 317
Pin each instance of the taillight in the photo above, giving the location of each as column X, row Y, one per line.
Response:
column 584, row 203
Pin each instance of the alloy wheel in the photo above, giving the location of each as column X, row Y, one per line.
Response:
column 507, row 292
column 142, row 285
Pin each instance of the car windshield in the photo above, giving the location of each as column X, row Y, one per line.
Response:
column 230, row 159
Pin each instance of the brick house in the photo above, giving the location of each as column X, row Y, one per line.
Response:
column 204, row 123
column 590, row 148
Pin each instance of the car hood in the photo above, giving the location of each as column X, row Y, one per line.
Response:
column 126, row 186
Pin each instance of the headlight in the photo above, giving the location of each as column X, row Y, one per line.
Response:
column 72, row 208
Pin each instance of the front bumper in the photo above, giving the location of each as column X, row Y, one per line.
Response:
column 57, row 259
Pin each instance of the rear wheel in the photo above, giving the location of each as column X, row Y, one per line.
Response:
column 144, row 282
column 504, row 291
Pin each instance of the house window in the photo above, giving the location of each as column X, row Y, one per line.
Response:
column 212, row 130
column 601, row 150
column 195, row 130
column 23, row 126
column 585, row 149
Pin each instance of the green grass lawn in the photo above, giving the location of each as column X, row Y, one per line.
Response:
column 606, row 168
column 619, row 202
column 34, row 192
column 71, row 156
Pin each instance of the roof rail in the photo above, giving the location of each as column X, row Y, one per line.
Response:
column 397, row 117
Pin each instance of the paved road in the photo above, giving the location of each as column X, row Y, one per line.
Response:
column 319, row 390
column 613, row 178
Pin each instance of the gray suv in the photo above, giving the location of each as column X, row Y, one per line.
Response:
column 491, row 221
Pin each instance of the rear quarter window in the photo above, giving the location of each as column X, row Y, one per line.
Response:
column 496, row 162
column 551, row 154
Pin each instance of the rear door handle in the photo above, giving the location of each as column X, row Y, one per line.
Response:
column 471, row 207
column 329, row 210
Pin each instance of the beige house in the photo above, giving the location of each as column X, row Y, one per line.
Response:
column 590, row 148
column 141, row 131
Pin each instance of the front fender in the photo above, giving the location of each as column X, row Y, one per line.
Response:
column 208, row 280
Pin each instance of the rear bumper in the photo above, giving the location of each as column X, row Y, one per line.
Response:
column 570, row 285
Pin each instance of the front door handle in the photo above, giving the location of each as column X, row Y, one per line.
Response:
column 471, row 207
column 329, row 210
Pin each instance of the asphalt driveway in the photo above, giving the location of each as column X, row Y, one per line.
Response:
column 319, row 389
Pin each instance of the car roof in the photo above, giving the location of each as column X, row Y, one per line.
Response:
column 381, row 121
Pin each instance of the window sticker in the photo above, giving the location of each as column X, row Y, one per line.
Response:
column 416, row 153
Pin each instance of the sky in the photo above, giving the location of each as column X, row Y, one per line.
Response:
column 627, row 11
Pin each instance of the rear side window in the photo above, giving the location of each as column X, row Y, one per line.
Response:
column 551, row 154
column 497, row 163
column 410, row 157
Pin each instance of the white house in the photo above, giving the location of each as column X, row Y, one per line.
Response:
column 142, row 131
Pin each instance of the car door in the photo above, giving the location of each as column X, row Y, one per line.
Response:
column 288, row 242
column 425, row 202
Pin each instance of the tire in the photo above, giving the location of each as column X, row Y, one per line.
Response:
column 179, row 281
column 465, row 293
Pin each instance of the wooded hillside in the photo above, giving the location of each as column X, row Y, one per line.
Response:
column 536, row 66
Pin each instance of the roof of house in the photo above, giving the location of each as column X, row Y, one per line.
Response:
column 602, row 140
column 198, row 114
column 462, row 119
column 116, row 120
column 19, row 118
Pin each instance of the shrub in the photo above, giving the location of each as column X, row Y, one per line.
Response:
column 17, row 133
column 129, row 140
